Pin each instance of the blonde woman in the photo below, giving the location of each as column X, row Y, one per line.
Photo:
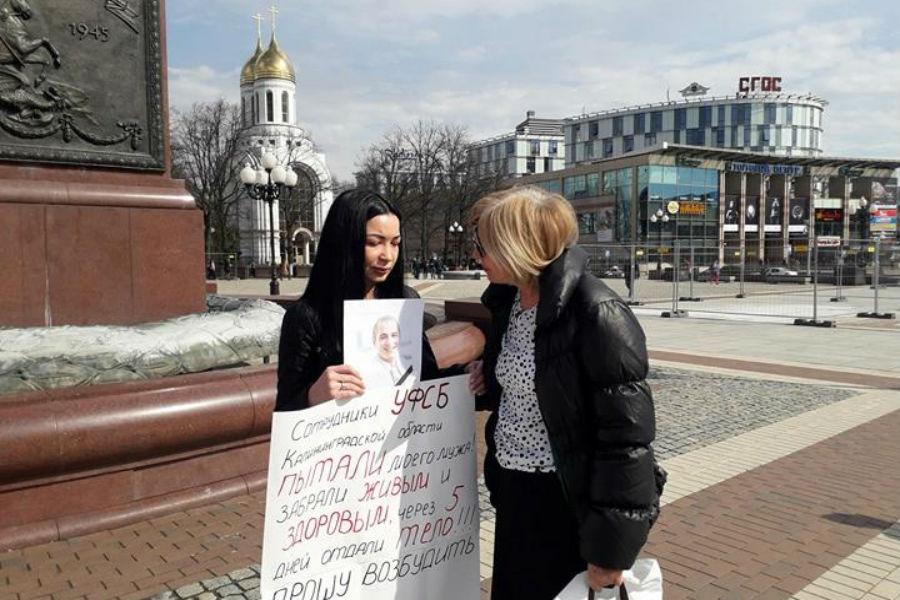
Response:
column 569, row 464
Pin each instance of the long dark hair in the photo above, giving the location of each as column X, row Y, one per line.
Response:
column 338, row 273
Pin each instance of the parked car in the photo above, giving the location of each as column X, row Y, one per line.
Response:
column 704, row 274
column 726, row 273
column 781, row 271
column 776, row 274
column 614, row 272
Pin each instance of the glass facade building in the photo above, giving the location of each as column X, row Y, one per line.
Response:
column 696, row 190
column 536, row 146
column 721, row 201
column 778, row 124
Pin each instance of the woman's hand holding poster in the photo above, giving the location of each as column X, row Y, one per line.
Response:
column 375, row 497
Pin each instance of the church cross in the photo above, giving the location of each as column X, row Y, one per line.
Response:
column 274, row 10
column 259, row 19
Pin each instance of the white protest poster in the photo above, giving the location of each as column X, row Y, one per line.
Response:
column 375, row 498
column 383, row 340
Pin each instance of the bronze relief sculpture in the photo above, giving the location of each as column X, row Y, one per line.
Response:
column 80, row 82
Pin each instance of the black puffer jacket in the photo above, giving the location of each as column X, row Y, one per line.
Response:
column 304, row 353
column 591, row 362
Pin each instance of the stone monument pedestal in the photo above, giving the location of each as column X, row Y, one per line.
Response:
column 92, row 247
column 93, row 229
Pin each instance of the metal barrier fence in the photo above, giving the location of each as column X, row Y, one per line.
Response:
column 822, row 279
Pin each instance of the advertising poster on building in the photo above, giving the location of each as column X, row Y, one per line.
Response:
column 374, row 498
column 893, row 191
column 881, row 193
column 732, row 213
column 606, row 221
column 383, row 340
column 799, row 215
column 883, row 213
column 774, row 207
column 883, row 220
column 829, row 215
column 751, row 214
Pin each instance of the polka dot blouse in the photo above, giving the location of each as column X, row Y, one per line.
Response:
column 521, row 436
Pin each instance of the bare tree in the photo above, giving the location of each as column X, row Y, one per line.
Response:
column 205, row 143
column 340, row 185
column 425, row 170
column 385, row 167
column 426, row 144
column 459, row 183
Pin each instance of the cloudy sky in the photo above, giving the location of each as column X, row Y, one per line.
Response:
column 366, row 65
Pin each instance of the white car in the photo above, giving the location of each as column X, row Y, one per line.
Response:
column 776, row 274
column 781, row 272
column 614, row 272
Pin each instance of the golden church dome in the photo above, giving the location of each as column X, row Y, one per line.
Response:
column 248, row 73
column 274, row 64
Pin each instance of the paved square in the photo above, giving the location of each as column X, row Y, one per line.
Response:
column 783, row 483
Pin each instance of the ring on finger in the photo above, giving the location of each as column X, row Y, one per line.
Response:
column 341, row 388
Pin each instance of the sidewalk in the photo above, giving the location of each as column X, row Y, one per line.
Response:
column 842, row 349
column 781, row 485
column 775, row 526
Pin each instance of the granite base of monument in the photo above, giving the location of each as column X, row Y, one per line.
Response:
column 97, row 248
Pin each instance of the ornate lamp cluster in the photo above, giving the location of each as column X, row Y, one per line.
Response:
column 456, row 230
column 659, row 215
column 267, row 183
column 660, row 218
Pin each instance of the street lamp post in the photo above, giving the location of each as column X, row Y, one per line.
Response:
column 659, row 218
column 456, row 231
column 267, row 183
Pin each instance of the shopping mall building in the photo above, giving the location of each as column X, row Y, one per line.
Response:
column 769, row 122
column 770, row 206
column 739, row 173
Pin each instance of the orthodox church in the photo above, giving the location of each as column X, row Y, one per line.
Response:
column 269, row 114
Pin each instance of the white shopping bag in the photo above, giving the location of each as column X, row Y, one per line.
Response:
column 642, row 582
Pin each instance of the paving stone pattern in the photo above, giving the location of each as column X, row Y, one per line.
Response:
column 212, row 552
column 241, row 584
column 752, row 536
column 694, row 409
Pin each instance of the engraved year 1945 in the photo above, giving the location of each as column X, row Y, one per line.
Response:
column 83, row 31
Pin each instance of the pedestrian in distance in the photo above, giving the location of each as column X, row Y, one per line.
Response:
column 632, row 272
column 569, row 465
column 360, row 257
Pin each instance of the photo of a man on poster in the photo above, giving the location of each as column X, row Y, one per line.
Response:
column 731, row 211
column 773, row 211
column 751, row 215
column 799, row 214
column 605, row 223
column 382, row 340
column 385, row 366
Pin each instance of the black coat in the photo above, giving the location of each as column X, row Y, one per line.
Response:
column 591, row 362
column 304, row 353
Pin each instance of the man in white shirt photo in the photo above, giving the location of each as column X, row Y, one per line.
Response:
column 386, row 367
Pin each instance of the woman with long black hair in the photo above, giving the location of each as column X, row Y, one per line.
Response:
column 360, row 256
